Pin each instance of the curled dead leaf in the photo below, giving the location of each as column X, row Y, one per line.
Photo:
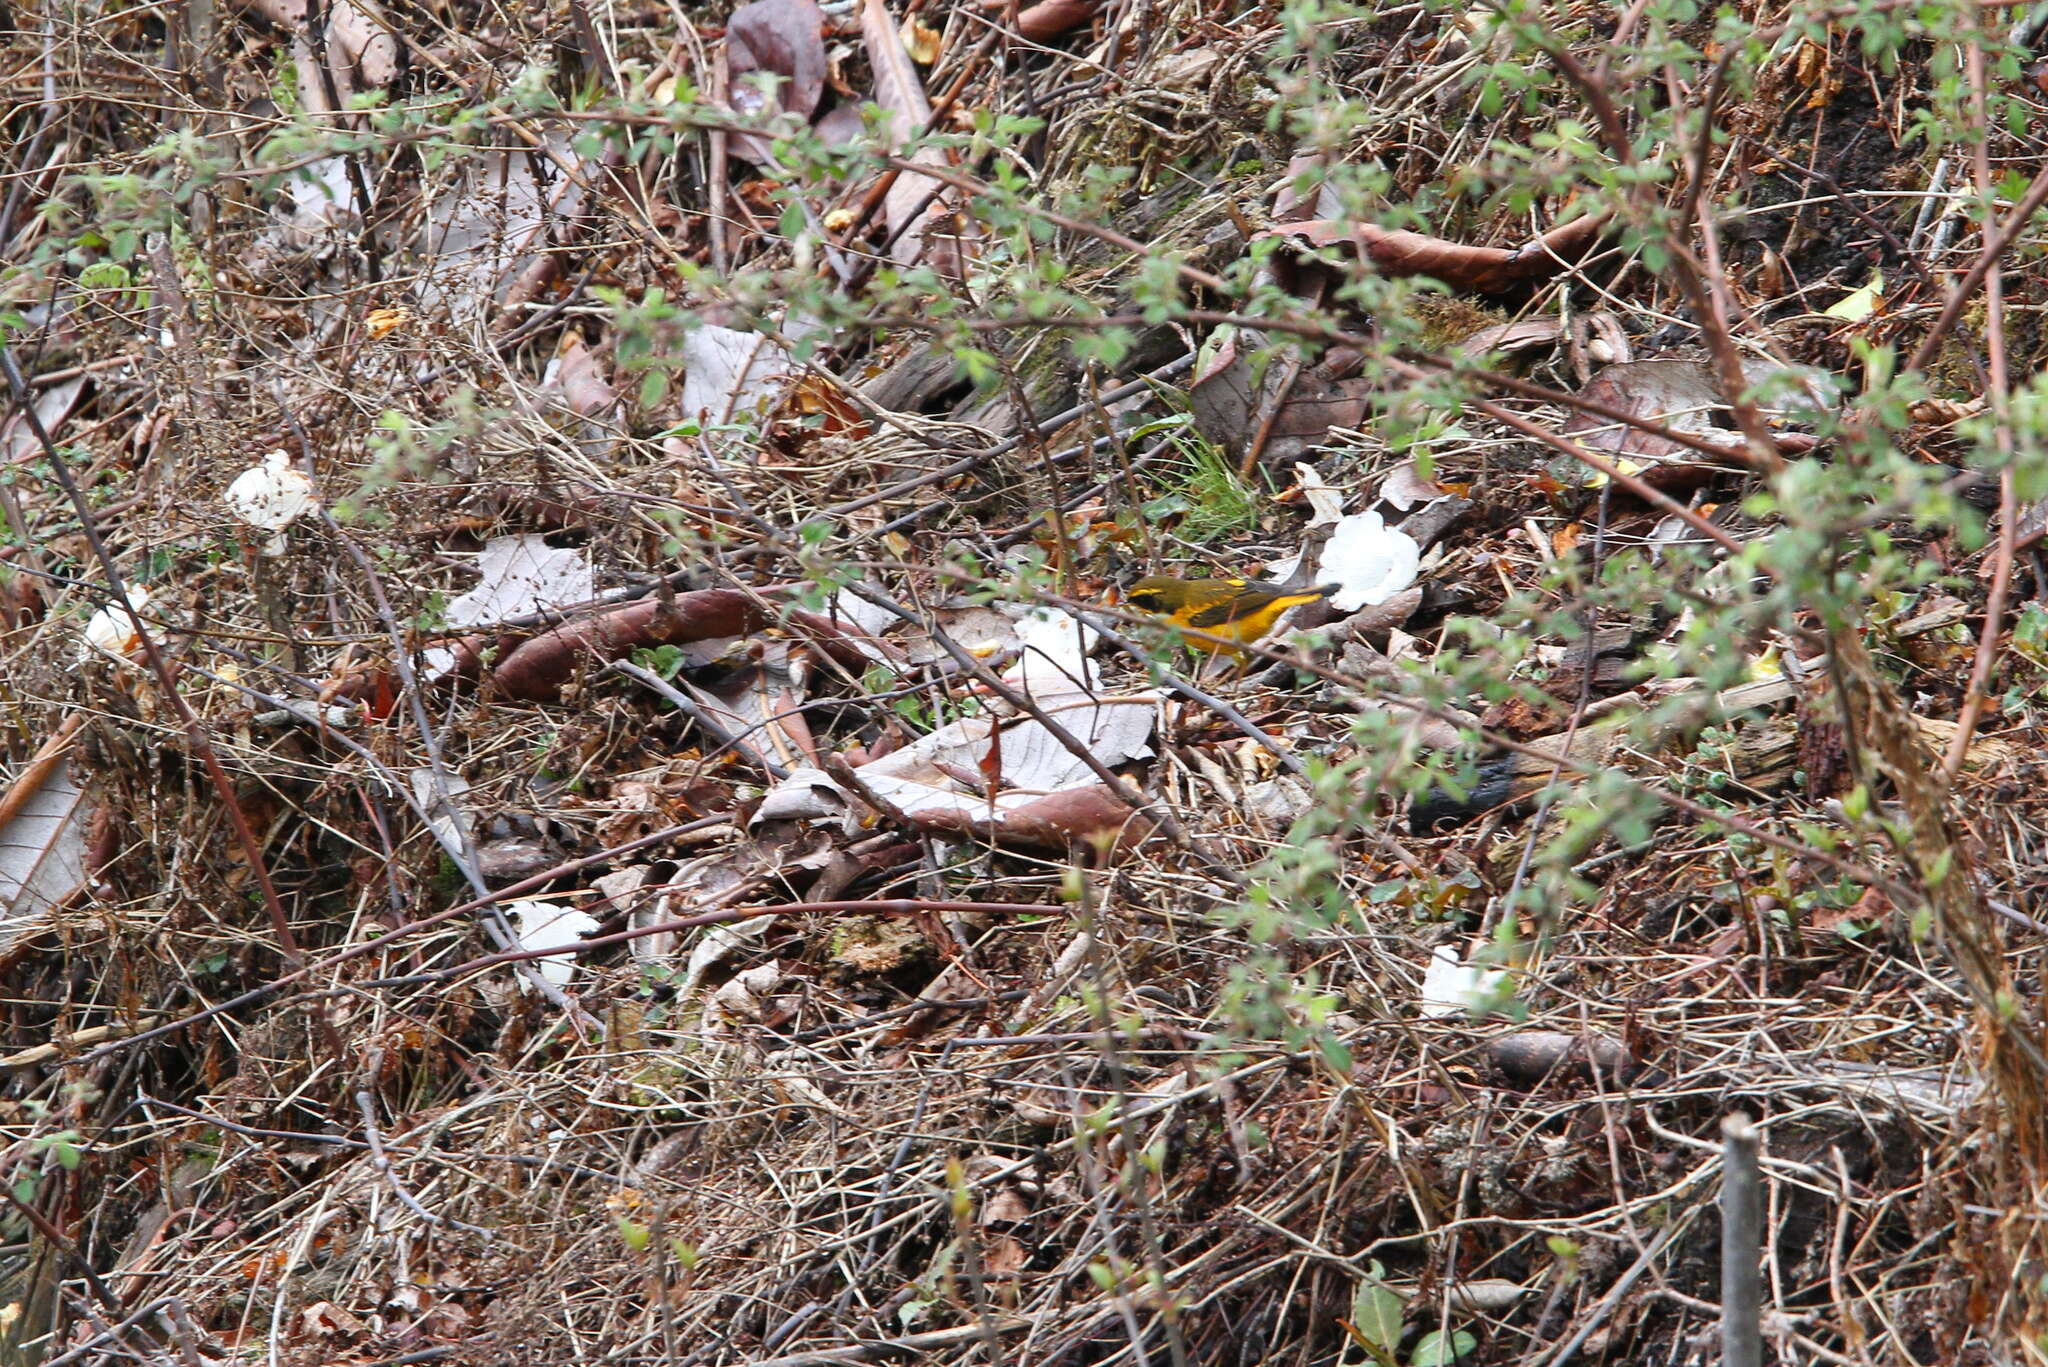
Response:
column 381, row 323
column 536, row 669
column 1078, row 816
column 921, row 41
column 1482, row 270
column 1527, row 1058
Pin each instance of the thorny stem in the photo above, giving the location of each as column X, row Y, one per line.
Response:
column 2001, row 408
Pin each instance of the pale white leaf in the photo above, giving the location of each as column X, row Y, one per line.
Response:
column 721, row 943
column 549, row 925
column 731, row 374
column 1452, row 987
column 1404, row 487
column 1326, row 504
column 519, row 575
column 439, row 796
column 1369, row 561
column 42, row 855
column 270, row 496
column 1054, row 660
column 111, row 631
column 849, row 606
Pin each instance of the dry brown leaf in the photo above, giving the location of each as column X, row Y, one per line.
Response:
column 782, row 38
column 1483, row 270
column 1681, row 395
column 921, row 41
column 1050, row 18
column 910, row 208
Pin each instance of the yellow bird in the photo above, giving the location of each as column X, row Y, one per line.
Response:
column 1233, row 608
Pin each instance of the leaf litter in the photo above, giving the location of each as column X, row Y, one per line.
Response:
column 887, row 987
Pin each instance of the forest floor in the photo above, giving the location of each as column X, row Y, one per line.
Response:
column 636, row 818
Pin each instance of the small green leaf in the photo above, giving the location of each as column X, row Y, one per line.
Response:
column 633, row 1234
column 1376, row 1314
column 1939, row 868
column 105, row 275
column 1440, row 1350
column 653, row 388
column 667, row 661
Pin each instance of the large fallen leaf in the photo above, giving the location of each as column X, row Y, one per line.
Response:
column 1483, row 270
column 576, row 376
column 439, row 795
column 1236, row 398
column 1404, row 488
column 911, row 202
column 779, row 39
column 762, row 704
column 521, row 574
column 18, row 440
column 1686, row 397
column 1047, row 792
column 362, row 53
column 323, row 199
column 516, row 576
column 861, row 615
column 42, row 848
column 490, row 222
column 1112, row 730
column 1055, row 821
column 535, row 670
column 1049, row 18
column 729, row 374
column 1681, row 395
column 1508, row 338
column 1053, row 659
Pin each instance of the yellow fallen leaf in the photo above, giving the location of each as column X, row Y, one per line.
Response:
column 1595, row 478
column 1810, row 62
column 921, row 41
column 382, row 322
column 1857, row 307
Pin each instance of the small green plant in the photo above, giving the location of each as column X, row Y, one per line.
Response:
column 1203, row 487
column 1379, row 1323
column 63, row 1146
column 665, row 660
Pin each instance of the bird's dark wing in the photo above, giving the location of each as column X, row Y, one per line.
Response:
column 1243, row 603
column 1249, row 602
